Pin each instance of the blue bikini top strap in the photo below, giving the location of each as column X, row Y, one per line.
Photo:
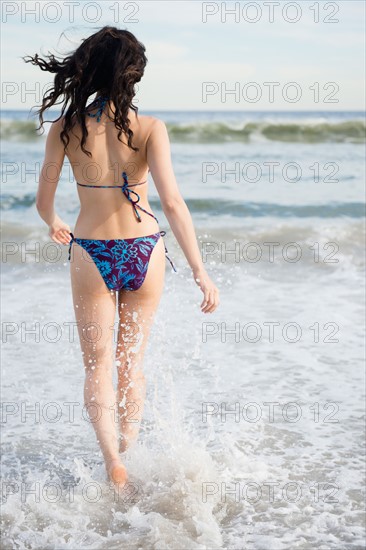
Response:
column 110, row 186
column 126, row 191
column 101, row 101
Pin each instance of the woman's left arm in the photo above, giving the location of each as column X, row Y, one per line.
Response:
column 48, row 181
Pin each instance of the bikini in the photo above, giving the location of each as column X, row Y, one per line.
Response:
column 122, row 263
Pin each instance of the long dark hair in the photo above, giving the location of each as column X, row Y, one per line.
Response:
column 110, row 61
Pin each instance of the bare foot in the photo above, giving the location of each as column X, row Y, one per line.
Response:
column 117, row 473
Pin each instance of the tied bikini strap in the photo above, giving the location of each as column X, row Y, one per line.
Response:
column 70, row 243
column 101, row 101
column 127, row 193
column 162, row 233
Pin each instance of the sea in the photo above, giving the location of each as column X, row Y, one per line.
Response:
column 253, row 430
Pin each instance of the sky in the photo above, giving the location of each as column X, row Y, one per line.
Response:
column 286, row 56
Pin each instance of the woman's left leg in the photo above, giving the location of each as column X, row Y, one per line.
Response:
column 136, row 314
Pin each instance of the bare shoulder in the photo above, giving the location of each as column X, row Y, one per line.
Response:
column 149, row 122
column 151, row 127
column 58, row 124
column 145, row 119
column 56, row 128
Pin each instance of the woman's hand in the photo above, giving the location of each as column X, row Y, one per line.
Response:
column 59, row 231
column 210, row 291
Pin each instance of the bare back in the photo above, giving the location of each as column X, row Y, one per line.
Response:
column 106, row 213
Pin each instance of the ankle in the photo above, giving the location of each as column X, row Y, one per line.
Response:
column 112, row 459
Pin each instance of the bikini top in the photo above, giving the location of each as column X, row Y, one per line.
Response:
column 102, row 101
column 127, row 193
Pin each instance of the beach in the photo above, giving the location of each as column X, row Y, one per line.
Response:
column 252, row 434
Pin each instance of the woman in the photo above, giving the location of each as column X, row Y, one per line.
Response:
column 116, row 250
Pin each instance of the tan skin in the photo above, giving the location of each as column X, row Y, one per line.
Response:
column 107, row 214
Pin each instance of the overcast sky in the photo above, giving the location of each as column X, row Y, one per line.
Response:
column 189, row 43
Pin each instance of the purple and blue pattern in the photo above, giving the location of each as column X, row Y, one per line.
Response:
column 122, row 263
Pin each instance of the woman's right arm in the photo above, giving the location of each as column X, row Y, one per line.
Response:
column 177, row 212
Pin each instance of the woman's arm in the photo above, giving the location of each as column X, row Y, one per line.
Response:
column 48, row 181
column 176, row 210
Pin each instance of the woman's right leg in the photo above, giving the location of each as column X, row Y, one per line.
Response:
column 95, row 308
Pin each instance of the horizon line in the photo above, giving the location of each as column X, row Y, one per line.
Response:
column 224, row 111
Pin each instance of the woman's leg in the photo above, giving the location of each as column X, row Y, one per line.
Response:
column 95, row 308
column 136, row 313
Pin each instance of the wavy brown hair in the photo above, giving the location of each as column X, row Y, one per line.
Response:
column 110, row 62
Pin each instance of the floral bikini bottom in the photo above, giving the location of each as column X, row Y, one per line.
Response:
column 122, row 263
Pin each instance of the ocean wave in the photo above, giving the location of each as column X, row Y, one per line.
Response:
column 14, row 202
column 352, row 131
column 349, row 131
column 18, row 130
